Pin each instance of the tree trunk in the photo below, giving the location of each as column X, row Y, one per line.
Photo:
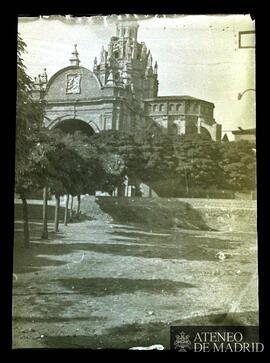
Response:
column 25, row 220
column 78, row 207
column 45, row 214
column 186, row 178
column 66, row 210
column 56, row 213
column 71, row 210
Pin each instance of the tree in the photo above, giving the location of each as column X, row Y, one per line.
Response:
column 42, row 161
column 28, row 122
column 44, row 234
column 66, row 217
column 143, row 156
column 102, row 169
column 66, row 170
column 239, row 165
column 198, row 161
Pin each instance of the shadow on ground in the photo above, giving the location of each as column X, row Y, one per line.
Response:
column 173, row 246
column 114, row 286
column 57, row 319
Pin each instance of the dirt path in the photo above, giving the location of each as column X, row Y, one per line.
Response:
column 101, row 285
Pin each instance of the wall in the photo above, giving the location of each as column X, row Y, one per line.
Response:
column 228, row 215
column 35, row 212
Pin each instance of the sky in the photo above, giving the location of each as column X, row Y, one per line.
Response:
column 197, row 55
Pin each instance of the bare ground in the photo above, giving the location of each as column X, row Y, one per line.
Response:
column 97, row 284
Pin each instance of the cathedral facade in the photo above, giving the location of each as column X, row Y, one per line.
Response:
column 119, row 93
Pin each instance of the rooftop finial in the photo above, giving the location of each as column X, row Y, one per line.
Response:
column 44, row 76
column 74, row 60
column 95, row 64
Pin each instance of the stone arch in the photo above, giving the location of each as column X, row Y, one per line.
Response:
column 73, row 125
column 68, row 122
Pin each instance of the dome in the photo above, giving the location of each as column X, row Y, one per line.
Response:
column 73, row 83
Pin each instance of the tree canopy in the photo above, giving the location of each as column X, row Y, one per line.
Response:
column 28, row 123
column 238, row 163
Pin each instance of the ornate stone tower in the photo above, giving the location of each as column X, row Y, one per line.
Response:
column 127, row 63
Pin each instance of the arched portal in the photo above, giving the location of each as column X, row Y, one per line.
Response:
column 72, row 125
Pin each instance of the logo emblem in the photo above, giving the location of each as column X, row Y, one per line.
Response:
column 182, row 342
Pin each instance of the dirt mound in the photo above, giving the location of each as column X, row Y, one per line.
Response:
column 150, row 212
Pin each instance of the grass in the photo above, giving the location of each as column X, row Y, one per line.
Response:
column 155, row 213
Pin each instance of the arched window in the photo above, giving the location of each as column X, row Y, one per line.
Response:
column 195, row 107
column 155, row 108
column 161, row 107
column 178, row 106
column 171, row 107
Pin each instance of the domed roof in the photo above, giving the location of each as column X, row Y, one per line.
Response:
column 73, row 83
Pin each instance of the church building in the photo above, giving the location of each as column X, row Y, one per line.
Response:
column 119, row 93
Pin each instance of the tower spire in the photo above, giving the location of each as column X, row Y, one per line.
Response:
column 156, row 68
column 74, row 60
column 149, row 60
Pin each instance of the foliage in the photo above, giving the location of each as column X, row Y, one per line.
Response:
column 198, row 161
column 238, row 163
column 143, row 157
column 28, row 123
column 102, row 169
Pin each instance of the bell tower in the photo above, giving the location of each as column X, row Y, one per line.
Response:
column 127, row 29
column 128, row 63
